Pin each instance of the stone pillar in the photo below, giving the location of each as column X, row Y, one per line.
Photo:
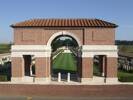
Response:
column 68, row 77
column 42, row 68
column 87, row 69
column 17, row 69
column 111, row 70
column 103, row 66
column 59, row 77
column 100, row 65
column 79, row 68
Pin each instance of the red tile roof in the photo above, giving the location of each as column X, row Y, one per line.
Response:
column 64, row 23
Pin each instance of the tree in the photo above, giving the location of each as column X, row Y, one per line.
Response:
column 63, row 42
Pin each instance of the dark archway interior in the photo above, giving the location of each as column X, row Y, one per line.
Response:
column 27, row 64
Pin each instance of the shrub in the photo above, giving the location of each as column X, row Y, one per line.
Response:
column 3, row 78
column 126, row 79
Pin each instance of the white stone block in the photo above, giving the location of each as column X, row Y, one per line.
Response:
column 68, row 77
column 59, row 77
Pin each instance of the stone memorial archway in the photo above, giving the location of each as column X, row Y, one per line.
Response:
column 34, row 37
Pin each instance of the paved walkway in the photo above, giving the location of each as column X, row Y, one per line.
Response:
column 62, row 98
column 96, row 81
column 66, row 90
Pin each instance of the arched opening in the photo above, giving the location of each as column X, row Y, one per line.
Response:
column 64, row 58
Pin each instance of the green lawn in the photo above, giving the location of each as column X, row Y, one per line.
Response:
column 125, row 76
column 64, row 62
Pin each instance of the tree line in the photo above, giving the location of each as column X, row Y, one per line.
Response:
column 124, row 42
column 66, row 42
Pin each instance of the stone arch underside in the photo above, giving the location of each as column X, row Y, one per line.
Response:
column 63, row 33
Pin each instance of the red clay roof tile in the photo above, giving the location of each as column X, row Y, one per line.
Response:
column 64, row 23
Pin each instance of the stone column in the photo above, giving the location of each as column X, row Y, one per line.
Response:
column 102, row 64
column 42, row 68
column 111, row 70
column 68, row 77
column 79, row 68
column 87, row 69
column 59, row 77
column 17, row 69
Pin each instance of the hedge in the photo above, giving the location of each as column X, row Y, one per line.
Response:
column 126, row 79
column 3, row 78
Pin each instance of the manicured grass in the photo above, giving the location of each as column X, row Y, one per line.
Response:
column 64, row 62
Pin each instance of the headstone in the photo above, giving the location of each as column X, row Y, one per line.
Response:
column 59, row 77
column 103, row 74
column 68, row 77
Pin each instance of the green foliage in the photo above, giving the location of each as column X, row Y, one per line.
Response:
column 66, row 42
column 3, row 78
column 123, row 42
column 126, row 79
column 5, row 72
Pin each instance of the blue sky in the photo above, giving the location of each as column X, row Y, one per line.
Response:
column 117, row 11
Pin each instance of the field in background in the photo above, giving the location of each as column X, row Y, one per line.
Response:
column 5, row 48
column 125, row 48
column 123, row 75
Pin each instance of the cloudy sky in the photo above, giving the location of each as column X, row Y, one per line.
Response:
column 119, row 12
